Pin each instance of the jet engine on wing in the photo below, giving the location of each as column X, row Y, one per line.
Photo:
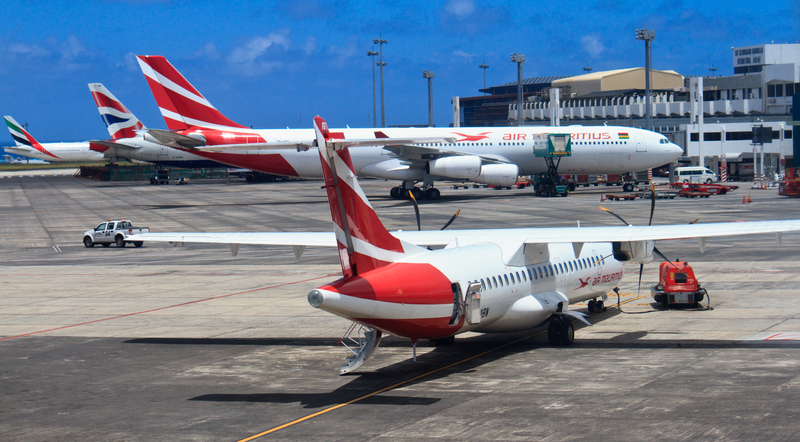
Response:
column 498, row 174
column 459, row 167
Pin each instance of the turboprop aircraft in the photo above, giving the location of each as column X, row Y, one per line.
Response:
column 127, row 138
column 12, row 160
column 493, row 280
column 53, row 152
column 489, row 155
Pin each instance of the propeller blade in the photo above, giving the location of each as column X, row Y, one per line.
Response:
column 652, row 202
column 658, row 252
column 641, row 269
column 617, row 216
column 453, row 218
column 416, row 207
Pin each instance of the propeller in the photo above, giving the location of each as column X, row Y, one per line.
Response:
column 416, row 212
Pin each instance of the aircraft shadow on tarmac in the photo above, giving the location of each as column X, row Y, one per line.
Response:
column 441, row 362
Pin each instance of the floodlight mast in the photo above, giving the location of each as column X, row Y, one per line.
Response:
column 519, row 59
column 484, row 66
column 380, row 42
column 429, row 76
column 647, row 35
column 374, row 106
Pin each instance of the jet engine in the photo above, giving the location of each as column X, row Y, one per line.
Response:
column 459, row 167
column 498, row 174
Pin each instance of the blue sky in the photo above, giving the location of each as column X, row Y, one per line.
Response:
column 277, row 64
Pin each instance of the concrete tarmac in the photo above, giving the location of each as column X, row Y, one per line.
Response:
column 190, row 343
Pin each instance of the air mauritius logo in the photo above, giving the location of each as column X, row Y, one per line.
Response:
column 478, row 137
column 584, row 283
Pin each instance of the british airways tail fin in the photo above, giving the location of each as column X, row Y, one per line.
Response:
column 24, row 139
column 120, row 121
column 181, row 105
column 363, row 241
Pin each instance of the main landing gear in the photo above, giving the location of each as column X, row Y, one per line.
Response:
column 595, row 305
column 560, row 331
column 427, row 191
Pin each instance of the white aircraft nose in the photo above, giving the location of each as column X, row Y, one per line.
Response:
column 674, row 150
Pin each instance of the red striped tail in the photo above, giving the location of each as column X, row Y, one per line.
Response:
column 364, row 243
column 181, row 105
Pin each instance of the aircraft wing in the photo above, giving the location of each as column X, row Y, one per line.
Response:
column 111, row 145
column 423, row 153
column 505, row 237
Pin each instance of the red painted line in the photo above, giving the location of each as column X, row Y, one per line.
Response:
column 164, row 308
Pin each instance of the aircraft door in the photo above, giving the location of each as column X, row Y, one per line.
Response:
column 473, row 303
column 163, row 152
column 641, row 146
column 598, row 261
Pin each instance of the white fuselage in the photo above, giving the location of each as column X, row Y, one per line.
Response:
column 598, row 149
column 60, row 152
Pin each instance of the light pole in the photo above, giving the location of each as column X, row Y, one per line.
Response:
column 380, row 42
column 587, row 69
column 713, row 71
column 374, row 108
column 519, row 59
column 429, row 76
column 484, row 66
column 647, row 35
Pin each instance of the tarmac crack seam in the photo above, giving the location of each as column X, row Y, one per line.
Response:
column 166, row 307
column 407, row 381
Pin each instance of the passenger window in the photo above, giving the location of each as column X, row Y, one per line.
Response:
column 494, row 281
column 483, row 284
column 540, row 273
column 506, row 276
column 570, row 267
column 518, row 280
column 551, row 269
column 100, row 227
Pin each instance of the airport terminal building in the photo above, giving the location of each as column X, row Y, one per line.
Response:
column 758, row 93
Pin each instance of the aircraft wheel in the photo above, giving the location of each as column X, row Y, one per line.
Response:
column 394, row 192
column 554, row 333
column 598, row 306
column 120, row 241
column 417, row 192
column 138, row 243
column 627, row 187
column 591, row 306
column 432, row 193
column 88, row 241
column 567, row 332
column 106, row 244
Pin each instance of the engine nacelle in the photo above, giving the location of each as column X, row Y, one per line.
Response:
column 459, row 167
column 498, row 174
column 634, row 251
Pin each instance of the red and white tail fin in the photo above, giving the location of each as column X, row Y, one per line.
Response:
column 120, row 121
column 181, row 105
column 364, row 243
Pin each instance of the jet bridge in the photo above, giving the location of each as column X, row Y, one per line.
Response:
column 551, row 147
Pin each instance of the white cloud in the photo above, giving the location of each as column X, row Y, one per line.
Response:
column 311, row 44
column 462, row 54
column 460, row 8
column 207, row 52
column 592, row 45
column 258, row 45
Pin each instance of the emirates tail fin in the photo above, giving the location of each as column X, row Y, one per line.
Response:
column 363, row 241
column 24, row 139
column 181, row 105
column 120, row 121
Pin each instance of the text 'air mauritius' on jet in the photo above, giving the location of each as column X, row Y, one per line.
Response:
column 488, row 155
column 436, row 284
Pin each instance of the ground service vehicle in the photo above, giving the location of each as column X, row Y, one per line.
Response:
column 695, row 175
column 113, row 231
column 677, row 285
column 161, row 176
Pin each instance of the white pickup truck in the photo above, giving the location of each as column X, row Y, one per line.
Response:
column 113, row 231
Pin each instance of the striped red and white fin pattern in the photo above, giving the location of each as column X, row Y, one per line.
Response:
column 181, row 105
column 363, row 241
column 120, row 121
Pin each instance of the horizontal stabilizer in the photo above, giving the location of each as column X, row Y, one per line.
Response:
column 172, row 139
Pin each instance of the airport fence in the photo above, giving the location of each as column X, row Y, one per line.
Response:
column 145, row 172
